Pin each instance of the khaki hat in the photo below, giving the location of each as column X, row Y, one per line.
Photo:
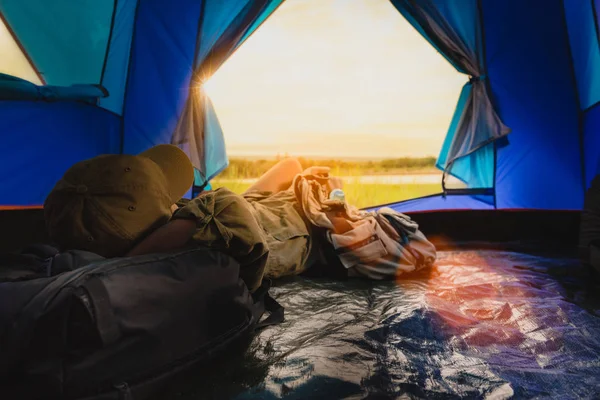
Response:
column 108, row 203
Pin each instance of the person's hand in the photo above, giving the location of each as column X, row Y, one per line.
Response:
column 334, row 183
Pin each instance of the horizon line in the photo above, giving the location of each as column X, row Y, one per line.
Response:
column 321, row 157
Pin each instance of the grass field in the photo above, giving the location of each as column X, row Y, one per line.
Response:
column 238, row 176
column 358, row 194
column 246, row 168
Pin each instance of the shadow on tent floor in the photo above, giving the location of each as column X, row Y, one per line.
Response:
column 479, row 324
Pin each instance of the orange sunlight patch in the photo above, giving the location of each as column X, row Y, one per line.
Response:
column 486, row 303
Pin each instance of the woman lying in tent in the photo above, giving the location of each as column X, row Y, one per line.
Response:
column 117, row 205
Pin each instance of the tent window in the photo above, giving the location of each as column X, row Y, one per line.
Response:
column 13, row 61
column 67, row 42
column 349, row 84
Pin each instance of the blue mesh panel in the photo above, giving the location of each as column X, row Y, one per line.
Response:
column 67, row 40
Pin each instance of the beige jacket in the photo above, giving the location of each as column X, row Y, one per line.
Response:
column 380, row 245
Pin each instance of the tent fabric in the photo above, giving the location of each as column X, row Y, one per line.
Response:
column 475, row 169
column 215, row 154
column 217, row 16
column 267, row 11
column 147, row 62
column 445, row 202
column 530, row 70
column 86, row 42
column 208, row 148
column 585, row 49
column 455, row 30
column 160, row 71
column 537, row 72
column 12, row 88
column 116, row 64
column 223, row 28
column 42, row 140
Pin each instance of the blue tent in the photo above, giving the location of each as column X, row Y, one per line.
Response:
column 123, row 75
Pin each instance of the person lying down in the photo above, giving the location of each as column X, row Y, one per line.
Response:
column 284, row 224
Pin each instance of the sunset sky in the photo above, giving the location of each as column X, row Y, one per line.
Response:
column 328, row 78
column 339, row 78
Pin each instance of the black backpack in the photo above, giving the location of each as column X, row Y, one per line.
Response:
column 118, row 328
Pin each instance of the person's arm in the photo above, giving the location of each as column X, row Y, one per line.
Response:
column 170, row 237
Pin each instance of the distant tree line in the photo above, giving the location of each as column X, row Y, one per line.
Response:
column 240, row 168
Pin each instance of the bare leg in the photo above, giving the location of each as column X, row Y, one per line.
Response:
column 279, row 177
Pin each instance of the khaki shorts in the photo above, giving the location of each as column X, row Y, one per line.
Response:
column 226, row 222
column 288, row 236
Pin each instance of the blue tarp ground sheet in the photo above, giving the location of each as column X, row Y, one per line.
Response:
column 480, row 324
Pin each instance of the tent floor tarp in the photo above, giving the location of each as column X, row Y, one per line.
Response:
column 507, row 311
column 481, row 324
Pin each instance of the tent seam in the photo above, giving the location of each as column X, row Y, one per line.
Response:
column 595, row 15
column 239, row 15
column 490, row 94
column 198, row 31
column 596, row 104
column 110, row 35
column 257, row 27
column 126, row 90
column 577, row 99
column 190, row 89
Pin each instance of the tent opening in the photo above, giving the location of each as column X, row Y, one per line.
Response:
column 347, row 84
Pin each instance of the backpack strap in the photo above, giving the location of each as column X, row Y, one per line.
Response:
column 276, row 312
column 40, row 250
column 264, row 302
column 101, row 310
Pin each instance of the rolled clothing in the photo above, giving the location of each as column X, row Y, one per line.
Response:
column 376, row 245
